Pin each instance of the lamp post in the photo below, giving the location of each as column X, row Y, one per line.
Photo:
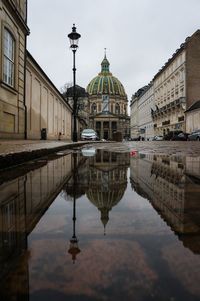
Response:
column 74, row 38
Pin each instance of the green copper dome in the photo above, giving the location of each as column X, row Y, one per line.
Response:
column 105, row 82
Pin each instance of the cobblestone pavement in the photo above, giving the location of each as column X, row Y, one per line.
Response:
column 178, row 148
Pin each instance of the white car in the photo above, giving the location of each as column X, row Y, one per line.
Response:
column 158, row 138
column 89, row 134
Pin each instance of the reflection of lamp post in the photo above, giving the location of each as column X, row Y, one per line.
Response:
column 73, row 248
column 74, row 37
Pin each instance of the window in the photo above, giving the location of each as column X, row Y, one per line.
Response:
column 8, row 63
column 94, row 108
column 117, row 109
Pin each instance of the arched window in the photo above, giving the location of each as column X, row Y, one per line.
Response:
column 94, row 108
column 117, row 109
column 9, row 58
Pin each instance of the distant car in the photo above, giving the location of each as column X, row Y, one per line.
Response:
column 195, row 135
column 180, row 137
column 157, row 138
column 89, row 134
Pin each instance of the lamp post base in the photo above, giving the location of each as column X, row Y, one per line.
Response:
column 75, row 138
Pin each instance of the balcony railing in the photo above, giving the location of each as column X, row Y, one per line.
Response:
column 168, row 107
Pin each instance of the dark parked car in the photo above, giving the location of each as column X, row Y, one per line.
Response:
column 171, row 134
column 180, row 137
column 195, row 135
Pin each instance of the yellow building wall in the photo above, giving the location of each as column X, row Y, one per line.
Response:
column 45, row 106
column 12, row 110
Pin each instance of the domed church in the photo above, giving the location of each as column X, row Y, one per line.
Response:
column 108, row 104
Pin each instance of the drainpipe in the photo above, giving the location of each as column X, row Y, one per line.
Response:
column 25, row 112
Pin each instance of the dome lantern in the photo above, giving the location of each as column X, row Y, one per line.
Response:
column 105, row 64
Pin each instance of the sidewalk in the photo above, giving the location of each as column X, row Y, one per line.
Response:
column 14, row 152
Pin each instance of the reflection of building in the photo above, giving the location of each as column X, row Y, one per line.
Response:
column 108, row 104
column 108, row 181
column 103, row 178
column 175, row 195
column 23, row 201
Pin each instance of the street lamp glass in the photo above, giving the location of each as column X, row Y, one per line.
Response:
column 74, row 37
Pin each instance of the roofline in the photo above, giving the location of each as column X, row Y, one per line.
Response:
column 47, row 78
column 176, row 53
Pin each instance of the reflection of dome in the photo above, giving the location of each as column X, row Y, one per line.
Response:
column 106, row 192
column 105, row 82
column 109, row 198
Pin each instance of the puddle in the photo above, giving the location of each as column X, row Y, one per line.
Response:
column 101, row 225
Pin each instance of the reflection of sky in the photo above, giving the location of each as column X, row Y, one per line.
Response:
column 132, row 262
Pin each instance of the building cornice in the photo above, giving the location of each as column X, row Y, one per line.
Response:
column 182, row 47
column 16, row 15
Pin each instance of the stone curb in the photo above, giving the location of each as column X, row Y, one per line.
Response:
column 14, row 159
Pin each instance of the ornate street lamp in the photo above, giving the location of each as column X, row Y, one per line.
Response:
column 74, row 38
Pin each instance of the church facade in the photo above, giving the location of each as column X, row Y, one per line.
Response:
column 108, row 105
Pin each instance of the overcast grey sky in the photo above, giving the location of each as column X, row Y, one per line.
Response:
column 140, row 36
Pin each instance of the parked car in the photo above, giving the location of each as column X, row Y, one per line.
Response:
column 157, row 138
column 172, row 134
column 180, row 137
column 89, row 134
column 195, row 135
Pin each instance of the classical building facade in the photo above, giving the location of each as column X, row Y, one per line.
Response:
column 176, row 89
column 176, row 86
column 145, row 106
column 13, row 33
column 134, row 124
column 30, row 105
column 170, row 94
column 108, row 104
column 48, row 116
